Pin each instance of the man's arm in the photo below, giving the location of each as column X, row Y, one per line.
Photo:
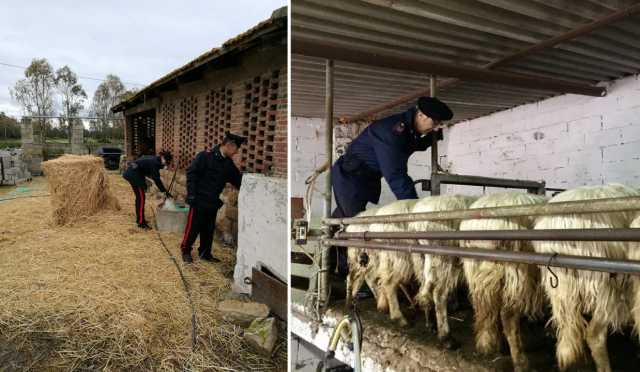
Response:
column 393, row 166
column 236, row 177
column 155, row 175
column 194, row 173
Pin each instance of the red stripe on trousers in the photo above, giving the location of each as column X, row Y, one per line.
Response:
column 141, row 204
column 188, row 229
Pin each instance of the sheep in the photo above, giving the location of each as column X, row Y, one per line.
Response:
column 438, row 276
column 361, row 272
column 600, row 295
column 634, row 254
column 394, row 268
column 504, row 291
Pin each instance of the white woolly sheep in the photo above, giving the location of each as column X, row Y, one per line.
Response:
column 395, row 268
column 438, row 276
column 361, row 273
column 502, row 292
column 600, row 295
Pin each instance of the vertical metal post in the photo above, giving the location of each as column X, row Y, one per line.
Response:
column 435, row 184
column 328, row 110
column 323, row 277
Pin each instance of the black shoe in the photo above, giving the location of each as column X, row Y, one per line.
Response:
column 186, row 257
column 208, row 257
column 145, row 226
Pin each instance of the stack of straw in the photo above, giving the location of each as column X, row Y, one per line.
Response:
column 78, row 186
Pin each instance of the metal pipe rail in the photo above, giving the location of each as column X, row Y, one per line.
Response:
column 625, row 204
column 540, row 259
column 618, row 235
column 323, row 275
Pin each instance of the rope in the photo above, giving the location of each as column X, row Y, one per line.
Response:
column 311, row 184
column 187, row 289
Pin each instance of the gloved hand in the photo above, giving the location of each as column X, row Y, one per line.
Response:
column 168, row 195
column 190, row 199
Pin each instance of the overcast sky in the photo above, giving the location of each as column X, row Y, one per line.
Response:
column 138, row 40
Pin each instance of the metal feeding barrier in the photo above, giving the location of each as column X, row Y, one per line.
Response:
column 611, row 205
column 333, row 234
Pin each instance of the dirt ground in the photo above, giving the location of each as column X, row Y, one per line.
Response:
column 103, row 295
column 416, row 348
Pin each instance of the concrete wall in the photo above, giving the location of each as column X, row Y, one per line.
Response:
column 307, row 154
column 567, row 141
column 13, row 166
column 262, row 228
column 34, row 152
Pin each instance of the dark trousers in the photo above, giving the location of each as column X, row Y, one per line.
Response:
column 348, row 208
column 139, row 192
column 200, row 221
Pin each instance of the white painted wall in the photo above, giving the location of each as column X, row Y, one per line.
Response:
column 308, row 154
column 568, row 141
column 262, row 228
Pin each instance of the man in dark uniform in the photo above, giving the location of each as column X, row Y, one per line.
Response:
column 146, row 166
column 207, row 176
column 383, row 150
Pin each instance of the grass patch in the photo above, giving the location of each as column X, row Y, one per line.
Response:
column 6, row 143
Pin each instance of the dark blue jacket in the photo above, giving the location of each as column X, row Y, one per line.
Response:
column 207, row 176
column 145, row 166
column 381, row 150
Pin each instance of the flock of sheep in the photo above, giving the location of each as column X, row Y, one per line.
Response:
column 585, row 305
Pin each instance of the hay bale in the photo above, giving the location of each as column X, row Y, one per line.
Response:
column 78, row 186
column 230, row 196
column 231, row 212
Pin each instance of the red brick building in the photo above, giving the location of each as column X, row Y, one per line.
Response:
column 239, row 87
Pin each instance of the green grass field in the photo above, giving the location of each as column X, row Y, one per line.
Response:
column 5, row 143
column 57, row 140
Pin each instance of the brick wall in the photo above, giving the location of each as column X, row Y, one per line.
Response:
column 196, row 117
column 259, row 120
column 281, row 139
column 255, row 107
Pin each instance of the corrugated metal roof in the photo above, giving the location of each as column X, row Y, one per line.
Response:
column 277, row 20
column 473, row 33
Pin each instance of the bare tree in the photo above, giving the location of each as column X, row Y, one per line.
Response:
column 35, row 93
column 71, row 94
column 107, row 95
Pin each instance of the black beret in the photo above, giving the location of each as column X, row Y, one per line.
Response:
column 238, row 140
column 434, row 108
